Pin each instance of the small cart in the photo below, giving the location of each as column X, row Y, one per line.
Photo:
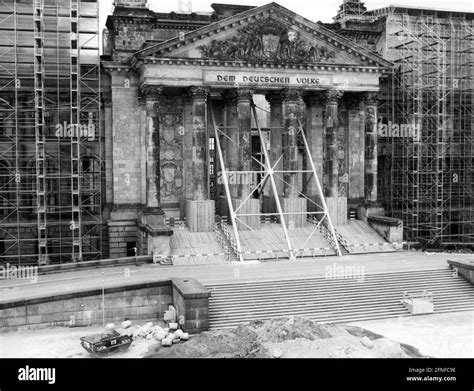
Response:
column 103, row 343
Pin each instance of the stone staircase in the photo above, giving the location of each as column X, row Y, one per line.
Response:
column 334, row 299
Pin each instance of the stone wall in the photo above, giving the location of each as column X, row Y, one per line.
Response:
column 464, row 268
column 144, row 301
column 139, row 301
column 191, row 300
column 121, row 233
column 390, row 228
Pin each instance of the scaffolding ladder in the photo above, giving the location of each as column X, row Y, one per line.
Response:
column 40, row 131
column 76, row 218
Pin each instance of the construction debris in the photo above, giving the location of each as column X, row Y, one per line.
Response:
column 166, row 335
column 126, row 324
column 292, row 337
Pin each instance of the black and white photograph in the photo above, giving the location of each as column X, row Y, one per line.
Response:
column 237, row 180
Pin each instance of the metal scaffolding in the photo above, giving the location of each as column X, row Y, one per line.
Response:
column 51, row 144
column 318, row 217
column 427, row 176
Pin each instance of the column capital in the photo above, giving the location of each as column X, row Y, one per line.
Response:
column 353, row 101
column 150, row 92
column 230, row 96
column 274, row 97
column 291, row 95
column 198, row 92
column 244, row 94
column 371, row 98
column 333, row 96
column 313, row 99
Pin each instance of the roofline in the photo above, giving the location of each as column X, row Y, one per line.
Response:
column 365, row 52
column 413, row 8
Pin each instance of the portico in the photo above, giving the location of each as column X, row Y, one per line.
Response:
column 307, row 78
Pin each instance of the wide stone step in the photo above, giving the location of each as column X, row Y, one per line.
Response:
column 434, row 273
column 336, row 319
column 411, row 287
column 362, row 304
column 336, row 300
column 358, row 302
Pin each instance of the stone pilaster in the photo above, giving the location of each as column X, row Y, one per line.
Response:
column 370, row 158
column 331, row 124
column 152, row 218
column 152, row 95
column 108, row 121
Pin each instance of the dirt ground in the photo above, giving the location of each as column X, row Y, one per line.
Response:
column 291, row 337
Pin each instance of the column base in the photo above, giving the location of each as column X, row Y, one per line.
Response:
column 252, row 206
column 337, row 208
column 294, row 204
column 222, row 207
column 269, row 204
column 366, row 210
column 158, row 234
column 200, row 215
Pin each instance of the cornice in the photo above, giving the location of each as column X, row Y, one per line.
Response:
column 256, row 65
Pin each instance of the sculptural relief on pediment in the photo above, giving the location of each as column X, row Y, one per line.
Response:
column 268, row 40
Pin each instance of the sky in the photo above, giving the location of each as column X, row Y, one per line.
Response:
column 314, row 10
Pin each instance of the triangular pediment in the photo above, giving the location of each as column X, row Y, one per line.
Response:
column 270, row 33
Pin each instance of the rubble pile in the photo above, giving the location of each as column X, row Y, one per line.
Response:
column 167, row 336
column 292, row 337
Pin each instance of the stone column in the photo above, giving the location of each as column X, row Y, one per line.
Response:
column 231, row 141
column 244, row 163
column 290, row 202
column 200, row 141
column 276, row 130
column 314, row 137
column 370, row 157
column 244, row 155
column 331, row 124
column 356, row 149
column 337, row 206
column 200, row 210
column 291, row 112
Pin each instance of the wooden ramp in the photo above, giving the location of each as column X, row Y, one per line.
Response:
column 361, row 238
column 195, row 248
column 269, row 242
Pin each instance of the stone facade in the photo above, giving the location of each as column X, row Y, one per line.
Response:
column 168, row 91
